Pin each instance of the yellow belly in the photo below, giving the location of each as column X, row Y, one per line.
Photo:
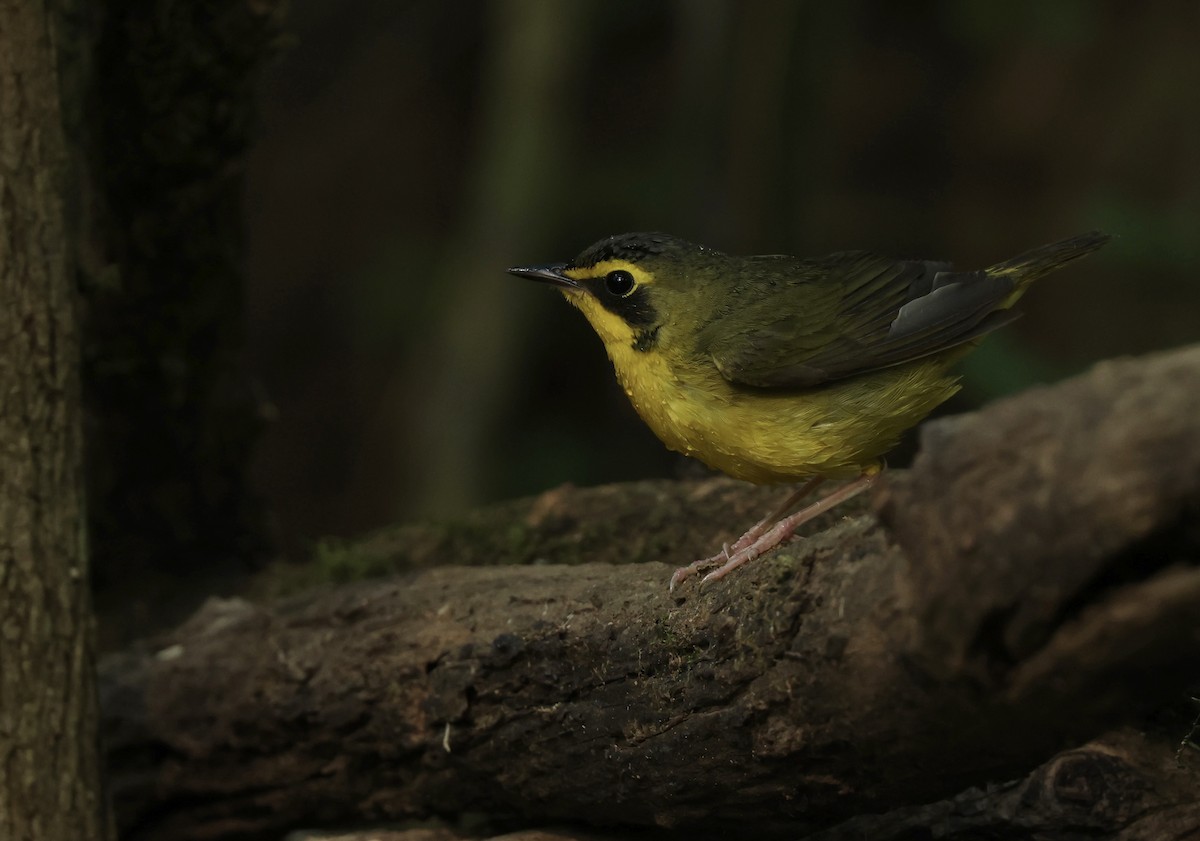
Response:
column 766, row 437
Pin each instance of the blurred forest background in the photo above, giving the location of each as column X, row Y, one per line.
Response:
column 408, row 152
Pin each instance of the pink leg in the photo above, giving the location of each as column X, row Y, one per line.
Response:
column 784, row 528
column 756, row 531
column 759, row 528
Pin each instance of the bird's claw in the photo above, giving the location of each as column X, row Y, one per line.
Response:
column 684, row 573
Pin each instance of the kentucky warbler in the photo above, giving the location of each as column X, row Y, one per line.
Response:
column 776, row 369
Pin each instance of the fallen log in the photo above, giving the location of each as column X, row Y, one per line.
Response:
column 1121, row 787
column 1030, row 583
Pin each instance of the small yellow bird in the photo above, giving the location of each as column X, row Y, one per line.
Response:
column 778, row 369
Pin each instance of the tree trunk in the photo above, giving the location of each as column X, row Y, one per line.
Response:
column 49, row 772
column 1028, row 585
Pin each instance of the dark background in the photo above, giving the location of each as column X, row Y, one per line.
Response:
column 408, row 152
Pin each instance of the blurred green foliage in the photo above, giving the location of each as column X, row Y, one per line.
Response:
column 410, row 152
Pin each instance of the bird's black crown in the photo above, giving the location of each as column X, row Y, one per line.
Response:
column 634, row 248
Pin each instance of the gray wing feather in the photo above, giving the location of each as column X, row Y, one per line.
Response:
column 890, row 312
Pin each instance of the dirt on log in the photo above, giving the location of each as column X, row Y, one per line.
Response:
column 1030, row 584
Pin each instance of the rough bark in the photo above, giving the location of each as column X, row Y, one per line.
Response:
column 446, row 834
column 1122, row 787
column 1028, row 585
column 49, row 758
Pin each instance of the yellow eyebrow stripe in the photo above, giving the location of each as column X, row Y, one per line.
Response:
column 640, row 275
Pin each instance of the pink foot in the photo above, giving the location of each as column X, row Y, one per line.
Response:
column 760, row 539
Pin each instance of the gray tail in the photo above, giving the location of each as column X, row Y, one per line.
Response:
column 1031, row 265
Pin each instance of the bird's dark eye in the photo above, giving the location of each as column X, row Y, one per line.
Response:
column 619, row 283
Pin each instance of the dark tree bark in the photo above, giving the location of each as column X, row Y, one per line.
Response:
column 1029, row 585
column 49, row 762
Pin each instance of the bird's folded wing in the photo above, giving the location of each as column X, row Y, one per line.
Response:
column 798, row 324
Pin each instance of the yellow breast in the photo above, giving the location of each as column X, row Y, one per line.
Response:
column 767, row 437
